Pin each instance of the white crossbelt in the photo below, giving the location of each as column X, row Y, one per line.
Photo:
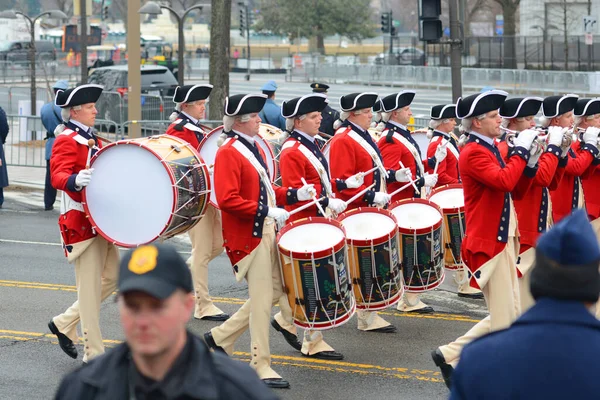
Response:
column 263, row 175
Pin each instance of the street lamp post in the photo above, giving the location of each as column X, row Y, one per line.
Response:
column 12, row 14
column 153, row 8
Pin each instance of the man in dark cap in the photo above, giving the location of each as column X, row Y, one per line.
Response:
column 160, row 359
column 206, row 236
column 96, row 260
column 551, row 351
column 490, row 246
column 329, row 114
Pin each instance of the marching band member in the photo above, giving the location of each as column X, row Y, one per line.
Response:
column 587, row 113
column 329, row 114
column 568, row 196
column 535, row 207
column 248, row 202
column 443, row 121
column 377, row 124
column 96, row 260
column 352, row 150
column 399, row 149
column 206, row 235
column 490, row 246
column 300, row 158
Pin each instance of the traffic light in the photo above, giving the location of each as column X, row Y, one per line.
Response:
column 104, row 13
column 430, row 25
column 386, row 22
column 242, row 22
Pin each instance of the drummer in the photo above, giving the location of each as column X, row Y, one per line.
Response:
column 301, row 158
column 587, row 113
column 206, row 235
column 377, row 125
column 248, row 202
column 352, row 151
column 96, row 259
column 398, row 148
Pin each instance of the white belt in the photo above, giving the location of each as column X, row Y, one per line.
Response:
column 68, row 204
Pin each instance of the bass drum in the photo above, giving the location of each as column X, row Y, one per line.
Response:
column 208, row 151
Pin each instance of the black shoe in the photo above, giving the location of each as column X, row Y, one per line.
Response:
column 49, row 208
column 288, row 336
column 276, row 383
column 424, row 310
column 447, row 369
column 217, row 318
column 326, row 355
column 210, row 342
column 384, row 329
column 64, row 342
column 475, row 296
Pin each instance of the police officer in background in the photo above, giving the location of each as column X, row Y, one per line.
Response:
column 160, row 359
column 329, row 114
column 271, row 113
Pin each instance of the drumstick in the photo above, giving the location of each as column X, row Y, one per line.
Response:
column 362, row 192
column 369, row 171
column 436, row 160
column 315, row 199
column 395, row 192
column 304, row 207
column 91, row 143
column 413, row 182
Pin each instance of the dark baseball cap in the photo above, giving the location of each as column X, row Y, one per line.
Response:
column 155, row 269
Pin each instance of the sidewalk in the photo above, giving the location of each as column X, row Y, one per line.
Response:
column 26, row 178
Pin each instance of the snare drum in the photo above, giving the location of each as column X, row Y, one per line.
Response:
column 146, row 189
column 372, row 239
column 451, row 200
column 315, row 273
column 420, row 228
column 208, row 151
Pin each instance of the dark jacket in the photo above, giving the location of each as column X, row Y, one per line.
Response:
column 209, row 376
column 551, row 352
column 329, row 117
column 3, row 135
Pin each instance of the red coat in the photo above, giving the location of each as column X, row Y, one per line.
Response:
column 526, row 179
column 487, row 186
column 564, row 197
column 185, row 129
column 447, row 169
column 242, row 199
column 591, row 189
column 69, row 156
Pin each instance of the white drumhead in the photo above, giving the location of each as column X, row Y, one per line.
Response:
column 416, row 215
column 130, row 197
column 270, row 158
column 368, row 225
column 422, row 141
column 449, row 198
column 208, row 152
column 311, row 237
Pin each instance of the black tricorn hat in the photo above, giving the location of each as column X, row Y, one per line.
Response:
column 397, row 100
column 520, row 107
column 378, row 106
column 357, row 101
column 77, row 96
column 585, row 107
column 303, row 105
column 553, row 106
column 319, row 87
column 189, row 93
column 443, row 111
column 240, row 104
column 480, row 103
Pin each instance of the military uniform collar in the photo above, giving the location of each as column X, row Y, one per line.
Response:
column 183, row 114
column 356, row 127
column 79, row 125
column 404, row 128
column 305, row 135
column 247, row 138
column 486, row 139
column 442, row 134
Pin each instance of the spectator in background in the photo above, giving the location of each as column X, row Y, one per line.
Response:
column 3, row 167
column 50, row 114
column 551, row 351
column 160, row 359
column 271, row 112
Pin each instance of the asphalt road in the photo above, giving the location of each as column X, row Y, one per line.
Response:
column 36, row 283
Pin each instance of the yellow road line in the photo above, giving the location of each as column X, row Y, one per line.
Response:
column 300, row 362
column 239, row 301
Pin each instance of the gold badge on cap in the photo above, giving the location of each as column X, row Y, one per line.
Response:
column 143, row 260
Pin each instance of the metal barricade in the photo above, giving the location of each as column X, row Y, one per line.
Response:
column 108, row 130
column 151, row 128
column 110, row 107
column 25, row 145
column 20, row 99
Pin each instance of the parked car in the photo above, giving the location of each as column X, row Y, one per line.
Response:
column 18, row 51
column 157, row 82
column 403, row 56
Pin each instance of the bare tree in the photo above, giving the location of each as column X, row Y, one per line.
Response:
column 219, row 56
column 509, row 10
column 65, row 6
column 121, row 7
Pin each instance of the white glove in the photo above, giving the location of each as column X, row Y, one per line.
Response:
column 555, row 135
column 337, row 206
column 355, row 181
column 591, row 136
column 565, row 152
column 84, row 177
column 440, row 153
column 381, row 198
column 279, row 215
column 306, row 192
column 525, row 138
column 534, row 156
column 403, row 175
column 430, row 179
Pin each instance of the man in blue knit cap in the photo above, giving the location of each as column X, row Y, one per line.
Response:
column 553, row 350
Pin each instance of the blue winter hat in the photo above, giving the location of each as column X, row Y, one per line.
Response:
column 61, row 84
column 567, row 261
column 270, row 86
